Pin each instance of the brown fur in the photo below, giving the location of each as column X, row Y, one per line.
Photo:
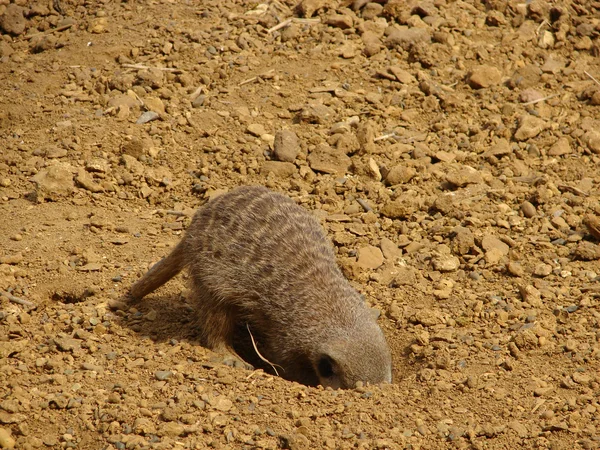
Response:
column 257, row 259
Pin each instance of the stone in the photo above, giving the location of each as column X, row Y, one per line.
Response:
column 256, row 129
column 500, row 148
column 55, row 181
column 371, row 42
column 592, row 140
column 279, row 168
column 400, row 208
column 587, row 251
column 463, row 240
column 490, row 242
column 342, row 21
column 13, row 20
column 542, row 270
column 405, row 37
column 463, row 176
column 316, row 113
column 6, row 439
column 402, row 75
column 286, row 146
column 154, row 104
column 528, row 209
column 308, row 8
column 400, row 174
column 445, row 263
column 389, row 249
column 369, row 257
column 86, row 181
column 329, row 160
column 529, row 127
column 484, row 76
column 560, row 147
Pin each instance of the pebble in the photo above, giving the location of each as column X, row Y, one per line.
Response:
column 256, row 129
column 561, row 147
column 13, row 20
column 405, row 37
column 286, row 146
column 592, row 139
column 446, row 263
column 281, row 169
column 528, row 209
column 147, row 116
column 464, row 176
column 400, row 174
column 329, row 160
column 55, row 181
column 529, row 127
column 369, row 257
column 163, row 375
column 484, row 76
column 6, row 439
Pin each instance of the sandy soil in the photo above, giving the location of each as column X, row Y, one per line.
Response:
column 451, row 150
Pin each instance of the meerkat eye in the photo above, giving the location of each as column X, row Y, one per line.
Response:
column 326, row 367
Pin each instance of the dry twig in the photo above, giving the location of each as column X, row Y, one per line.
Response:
column 261, row 356
column 142, row 67
column 17, row 300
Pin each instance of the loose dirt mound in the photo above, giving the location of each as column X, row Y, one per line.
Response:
column 451, row 150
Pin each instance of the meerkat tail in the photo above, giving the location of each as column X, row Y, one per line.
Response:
column 160, row 273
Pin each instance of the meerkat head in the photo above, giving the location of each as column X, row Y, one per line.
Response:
column 360, row 354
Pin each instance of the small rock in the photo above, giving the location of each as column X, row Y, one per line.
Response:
column 463, row 240
column 490, row 242
column 309, row 7
column 446, row 263
column 464, row 176
column 147, row 116
column 373, row 170
column 390, row 250
column 6, row 439
column 163, row 375
column 531, row 295
column 85, row 180
column 329, row 160
column 484, row 76
column 222, row 403
column 592, row 140
column 286, row 146
column 400, row 208
column 256, row 129
column 56, row 180
column 542, row 270
column 342, row 21
column 528, row 209
column 587, row 251
column 400, row 174
column 279, row 168
column 13, row 20
column 529, row 127
column 371, row 42
column 316, row 113
column 402, row 75
column 405, row 37
column 515, row 269
column 154, row 104
column 592, row 224
column 369, row 257
column 500, row 148
column 560, row 147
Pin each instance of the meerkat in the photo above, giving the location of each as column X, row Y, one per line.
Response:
column 261, row 267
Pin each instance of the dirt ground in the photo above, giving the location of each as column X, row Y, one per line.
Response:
column 451, row 150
